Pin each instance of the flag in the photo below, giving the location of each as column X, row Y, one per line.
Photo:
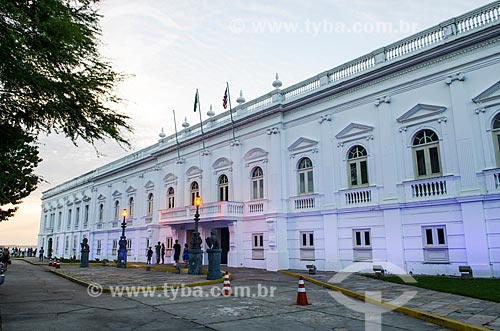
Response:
column 224, row 100
column 196, row 100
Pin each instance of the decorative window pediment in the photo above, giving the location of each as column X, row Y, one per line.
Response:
column 222, row 162
column 116, row 194
column 131, row 190
column 169, row 178
column 490, row 94
column 85, row 198
column 193, row 171
column 149, row 185
column 420, row 111
column 255, row 153
column 69, row 202
column 354, row 129
column 303, row 144
column 101, row 197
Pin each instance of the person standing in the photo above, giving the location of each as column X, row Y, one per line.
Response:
column 185, row 253
column 162, row 253
column 5, row 258
column 41, row 254
column 157, row 251
column 177, row 251
column 150, row 255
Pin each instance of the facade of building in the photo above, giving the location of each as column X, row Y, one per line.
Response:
column 393, row 157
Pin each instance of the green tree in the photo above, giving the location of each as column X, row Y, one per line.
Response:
column 53, row 79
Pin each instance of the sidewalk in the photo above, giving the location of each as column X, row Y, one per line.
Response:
column 464, row 309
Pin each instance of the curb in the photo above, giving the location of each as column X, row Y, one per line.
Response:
column 140, row 289
column 425, row 316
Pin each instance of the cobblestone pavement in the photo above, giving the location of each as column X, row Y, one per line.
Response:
column 32, row 298
column 468, row 310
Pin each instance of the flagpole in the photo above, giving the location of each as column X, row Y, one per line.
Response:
column 201, row 122
column 176, row 139
column 230, row 110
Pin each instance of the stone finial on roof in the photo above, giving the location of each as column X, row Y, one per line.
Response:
column 277, row 83
column 210, row 113
column 162, row 134
column 185, row 124
column 241, row 99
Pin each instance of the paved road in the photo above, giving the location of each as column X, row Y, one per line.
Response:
column 34, row 299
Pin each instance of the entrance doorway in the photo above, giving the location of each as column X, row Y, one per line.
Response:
column 224, row 243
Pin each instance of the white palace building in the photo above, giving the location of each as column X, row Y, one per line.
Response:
column 392, row 158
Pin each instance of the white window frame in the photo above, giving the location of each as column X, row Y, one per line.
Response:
column 66, row 245
column 77, row 217
column 130, row 207
column 68, row 225
column 150, row 205
column 258, row 246
column 194, row 192
column 114, row 247
column 357, row 161
column 101, row 212
column 168, row 246
column 305, row 175
column 307, row 245
column 86, row 216
column 257, row 188
column 99, row 248
column 59, row 221
column 495, row 130
column 117, row 210
column 426, row 148
column 129, row 247
column 362, row 251
column 170, row 197
column 223, row 187
column 436, row 251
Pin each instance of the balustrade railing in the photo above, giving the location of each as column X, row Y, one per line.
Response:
column 359, row 196
column 429, row 188
column 304, row 202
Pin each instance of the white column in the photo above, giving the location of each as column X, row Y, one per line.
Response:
column 394, row 237
column 330, row 226
column 235, row 257
column 276, row 169
column 277, row 256
column 476, row 240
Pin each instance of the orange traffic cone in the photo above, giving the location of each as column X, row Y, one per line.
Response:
column 226, row 290
column 58, row 265
column 50, row 263
column 301, row 293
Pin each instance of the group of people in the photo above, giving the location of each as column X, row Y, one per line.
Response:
column 160, row 253
column 22, row 252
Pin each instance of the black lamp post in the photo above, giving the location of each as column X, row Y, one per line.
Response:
column 122, row 251
column 195, row 253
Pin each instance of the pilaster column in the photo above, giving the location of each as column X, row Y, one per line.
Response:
column 277, row 256
column 387, row 171
column 273, row 180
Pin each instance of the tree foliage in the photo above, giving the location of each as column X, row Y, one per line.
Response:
column 52, row 77
column 17, row 180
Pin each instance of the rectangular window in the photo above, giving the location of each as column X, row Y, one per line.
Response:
column 77, row 217
column 66, row 244
column 59, row 220
column 254, row 189
column 99, row 247
column 257, row 246
column 435, row 244
column 307, row 245
column 86, row 216
column 362, row 250
column 434, row 156
column 261, row 189
column 310, row 182
column 69, row 219
column 168, row 246
column 114, row 249
column 302, row 183
column 421, row 163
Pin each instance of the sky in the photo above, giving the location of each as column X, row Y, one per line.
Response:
column 167, row 49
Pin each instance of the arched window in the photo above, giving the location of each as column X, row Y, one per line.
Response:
column 357, row 166
column 171, row 197
column 223, row 188
column 117, row 210
column 496, row 137
column 195, row 191
column 426, row 154
column 150, row 203
column 306, row 180
column 131, row 207
column 101, row 212
column 257, row 183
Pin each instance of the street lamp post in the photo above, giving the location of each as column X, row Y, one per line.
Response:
column 122, row 251
column 195, row 253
